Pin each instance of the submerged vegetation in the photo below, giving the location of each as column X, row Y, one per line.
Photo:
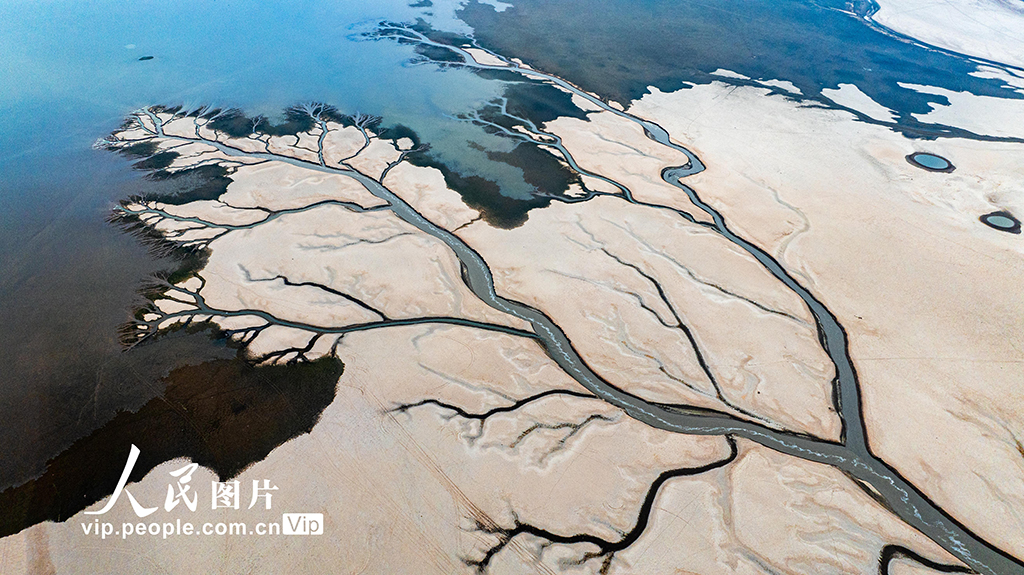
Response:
column 224, row 415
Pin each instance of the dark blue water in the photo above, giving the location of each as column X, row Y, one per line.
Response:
column 69, row 73
column 618, row 48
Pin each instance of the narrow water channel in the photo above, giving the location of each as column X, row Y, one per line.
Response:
column 851, row 455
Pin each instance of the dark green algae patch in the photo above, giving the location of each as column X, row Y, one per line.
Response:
column 223, row 414
column 541, row 170
column 237, row 124
column 549, row 176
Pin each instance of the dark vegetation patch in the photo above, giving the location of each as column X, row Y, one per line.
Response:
column 541, row 169
column 548, row 175
column 138, row 150
column 237, row 124
column 157, row 161
column 398, row 131
column 498, row 74
column 535, row 101
column 437, row 53
column 190, row 259
column 440, row 55
column 540, row 102
column 433, row 53
column 441, row 36
column 201, row 183
column 187, row 261
column 483, row 195
column 223, row 414
column 421, row 4
column 207, row 182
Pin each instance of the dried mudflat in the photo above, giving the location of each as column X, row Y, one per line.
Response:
column 464, row 449
column 927, row 294
column 987, row 29
column 414, row 491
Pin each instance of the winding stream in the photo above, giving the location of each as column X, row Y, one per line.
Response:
column 851, row 456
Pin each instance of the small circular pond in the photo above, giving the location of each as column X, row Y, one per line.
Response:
column 930, row 162
column 1002, row 221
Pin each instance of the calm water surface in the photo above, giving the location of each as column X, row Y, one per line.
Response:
column 69, row 74
column 814, row 44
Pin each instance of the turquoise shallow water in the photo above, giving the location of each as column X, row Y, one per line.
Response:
column 930, row 161
column 1000, row 221
column 69, row 74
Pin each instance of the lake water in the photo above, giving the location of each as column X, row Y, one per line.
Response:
column 72, row 71
column 69, row 74
column 930, row 161
column 815, row 45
